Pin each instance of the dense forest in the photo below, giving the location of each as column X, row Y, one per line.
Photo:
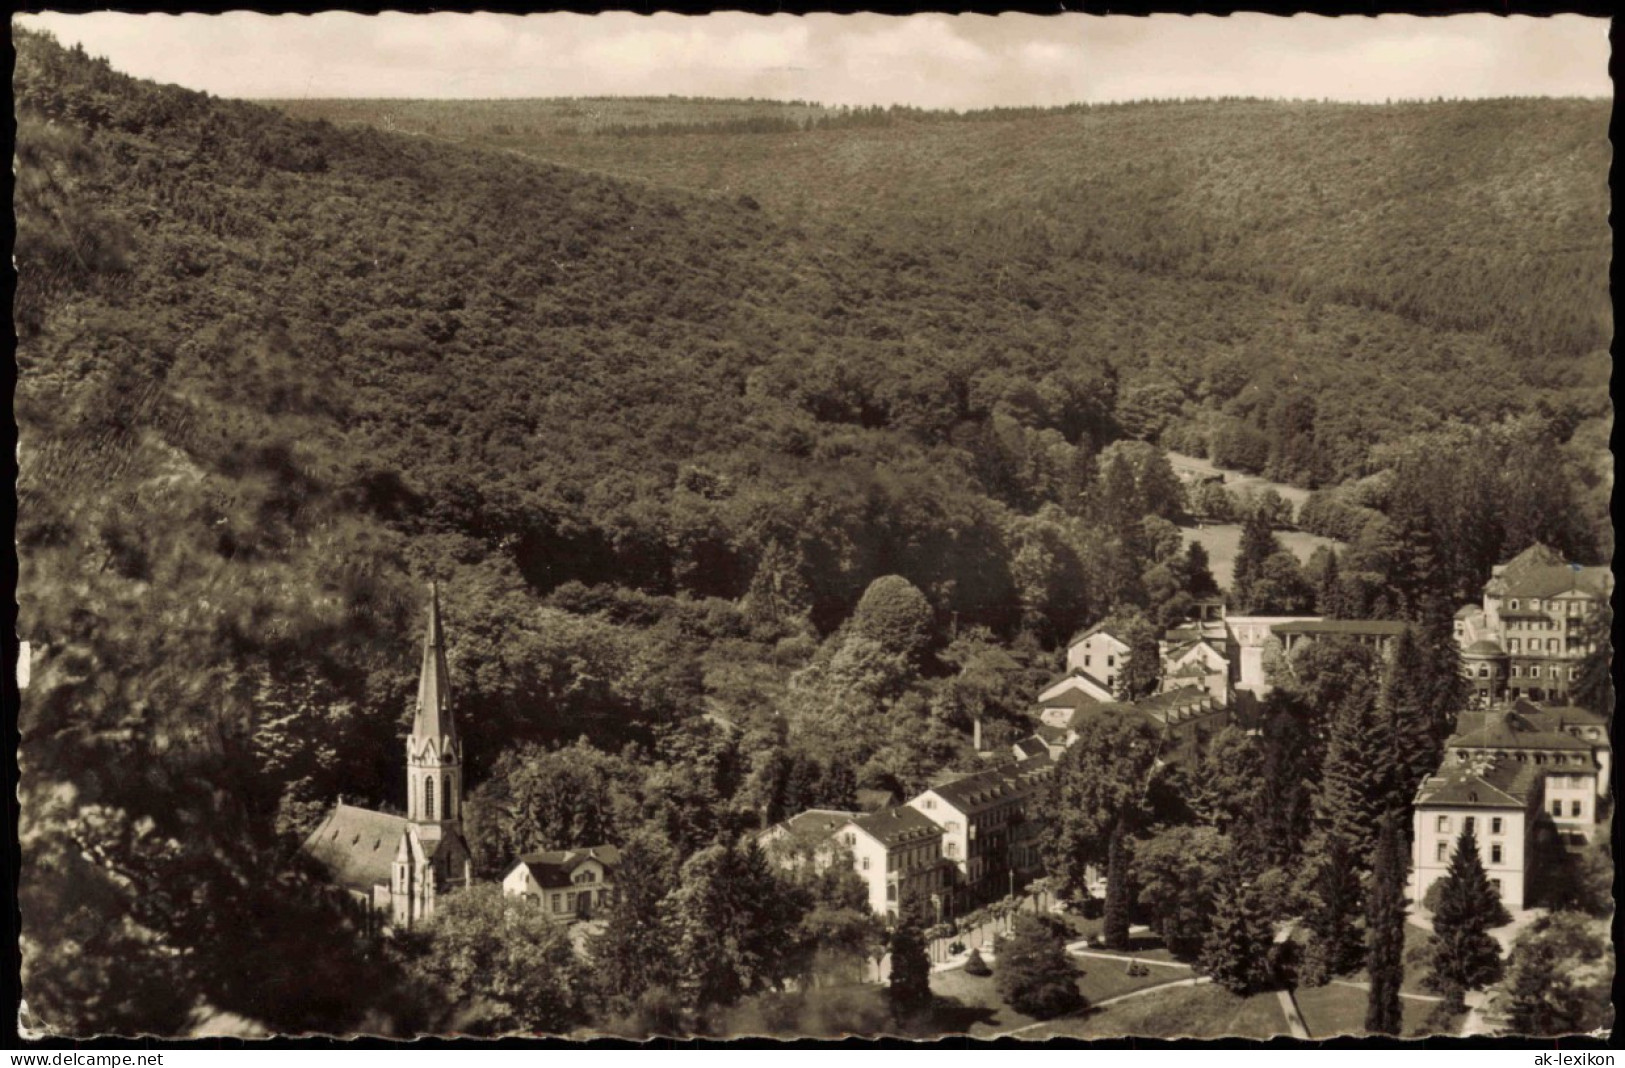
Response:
column 736, row 508
column 1486, row 217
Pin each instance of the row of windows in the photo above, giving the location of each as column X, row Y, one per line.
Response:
column 1573, row 608
column 1469, row 823
column 1554, row 672
column 1575, row 809
column 1523, row 757
column 1553, row 645
column 569, row 900
column 1441, row 851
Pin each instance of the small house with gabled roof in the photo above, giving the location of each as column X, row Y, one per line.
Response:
column 566, row 884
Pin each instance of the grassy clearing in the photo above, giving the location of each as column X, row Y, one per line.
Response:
column 975, row 1008
column 1223, row 540
column 1334, row 1009
column 1183, row 1012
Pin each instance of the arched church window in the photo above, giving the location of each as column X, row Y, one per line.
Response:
column 428, row 797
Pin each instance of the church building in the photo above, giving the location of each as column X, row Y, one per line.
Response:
column 395, row 867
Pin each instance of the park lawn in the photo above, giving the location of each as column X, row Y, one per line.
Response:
column 1205, row 1011
column 979, row 1011
column 1415, row 938
column 1335, row 1009
column 1102, row 979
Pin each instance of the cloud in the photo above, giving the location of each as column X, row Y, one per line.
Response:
column 926, row 60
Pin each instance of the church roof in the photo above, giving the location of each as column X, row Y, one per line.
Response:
column 356, row 846
column 433, row 718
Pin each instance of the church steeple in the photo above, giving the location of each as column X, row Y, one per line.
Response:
column 433, row 719
column 434, row 775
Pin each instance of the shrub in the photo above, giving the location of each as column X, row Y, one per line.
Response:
column 975, row 965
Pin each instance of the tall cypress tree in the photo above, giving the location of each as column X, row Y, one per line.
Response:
column 1385, row 930
column 1115, row 922
column 1329, row 591
column 1336, row 946
column 1463, row 954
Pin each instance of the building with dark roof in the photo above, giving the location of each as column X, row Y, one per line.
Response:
column 1570, row 744
column 1541, row 611
column 990, row 831
column 1500, row 799
column 566, row 884
column 897, row 852
column 1379, row 634
column 393, row 867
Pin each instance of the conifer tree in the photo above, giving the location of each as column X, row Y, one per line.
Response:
column 1115, row 920
column 1284, row 806
column 1462, row 954
column 1328, row 590
column 1445, row 686
column 1258, row 544
column 1385, row 930
column 1413, row 733
column 1236, row 952
column 1336, row 946
column 1355, row 782
column 909, row 988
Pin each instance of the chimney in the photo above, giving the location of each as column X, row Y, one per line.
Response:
column 976, row 734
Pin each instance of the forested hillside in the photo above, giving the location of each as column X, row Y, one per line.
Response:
column 765, row 509
column 1485, row 216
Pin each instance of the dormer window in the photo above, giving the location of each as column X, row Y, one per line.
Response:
column 1513, row 604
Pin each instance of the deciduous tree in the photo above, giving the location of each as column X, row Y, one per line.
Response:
column 1099, row 790
column 1035, row 975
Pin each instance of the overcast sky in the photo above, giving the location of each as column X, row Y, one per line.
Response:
column 926, row 60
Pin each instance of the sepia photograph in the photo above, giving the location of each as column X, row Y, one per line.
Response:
column 643, row 528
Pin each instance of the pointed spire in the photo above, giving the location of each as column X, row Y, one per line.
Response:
column 433, row 719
